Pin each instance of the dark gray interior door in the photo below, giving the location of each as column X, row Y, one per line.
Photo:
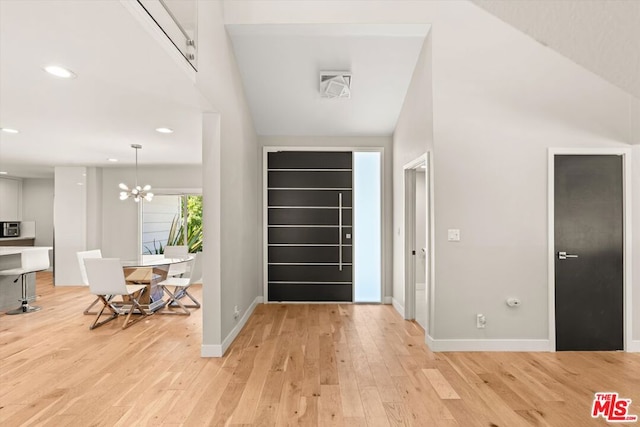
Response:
column 310, row 226
column 589, row 252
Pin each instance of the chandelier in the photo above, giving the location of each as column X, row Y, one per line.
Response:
column 136, row 192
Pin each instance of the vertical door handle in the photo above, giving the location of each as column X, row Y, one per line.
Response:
column 340, row 230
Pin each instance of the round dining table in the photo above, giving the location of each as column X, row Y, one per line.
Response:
column 151, row 270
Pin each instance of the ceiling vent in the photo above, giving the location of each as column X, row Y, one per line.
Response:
column 335, row 84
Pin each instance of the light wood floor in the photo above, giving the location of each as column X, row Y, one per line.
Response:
column 316, row 365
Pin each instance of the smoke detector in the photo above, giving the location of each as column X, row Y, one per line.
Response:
column 335, row 84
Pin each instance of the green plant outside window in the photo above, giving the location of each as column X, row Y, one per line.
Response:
column 176, row 234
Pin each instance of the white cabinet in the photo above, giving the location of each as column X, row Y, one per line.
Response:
column 10, row 199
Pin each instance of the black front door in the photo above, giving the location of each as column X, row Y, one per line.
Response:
column 310, row 226
column 589, row 252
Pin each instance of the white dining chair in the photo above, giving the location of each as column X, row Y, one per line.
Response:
column 82, row 255
column 181, row 288
column 31, row 261
column 106, row 281
column 176, row 251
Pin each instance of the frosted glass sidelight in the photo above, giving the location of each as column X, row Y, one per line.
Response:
column 367, row 233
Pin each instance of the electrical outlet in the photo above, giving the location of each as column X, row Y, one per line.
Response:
column 236, row 312
column 481, row 321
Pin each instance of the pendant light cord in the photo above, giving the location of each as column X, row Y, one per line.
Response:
column 136, row 166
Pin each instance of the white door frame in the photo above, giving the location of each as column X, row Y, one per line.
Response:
column 265, row 212
column 627, row 236
column 409, row 240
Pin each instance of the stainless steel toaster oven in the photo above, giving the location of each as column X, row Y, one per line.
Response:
column 10, row 229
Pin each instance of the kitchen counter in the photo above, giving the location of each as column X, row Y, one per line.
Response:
column 10, row 292
column 11, row 239
column 27, row 235
column 17, row 250
column 17, row 241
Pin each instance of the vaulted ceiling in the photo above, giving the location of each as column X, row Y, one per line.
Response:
column 602, row 36
column 281, row 64
column 127, row 85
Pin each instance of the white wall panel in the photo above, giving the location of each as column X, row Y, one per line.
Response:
column 70, row 223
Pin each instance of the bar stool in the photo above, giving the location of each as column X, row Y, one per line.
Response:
column 32, row 260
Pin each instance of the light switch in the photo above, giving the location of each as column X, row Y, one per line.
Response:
column 453, row 235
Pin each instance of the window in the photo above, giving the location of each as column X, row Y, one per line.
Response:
column 165, row 220
column 367, row 175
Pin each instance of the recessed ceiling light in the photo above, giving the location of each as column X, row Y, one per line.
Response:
column 112, row 160
column 164, row 130
column 3, row 173
column 7, row 130
column 58, row 71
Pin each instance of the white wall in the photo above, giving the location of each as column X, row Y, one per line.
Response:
column 69, row 222
column 94, row 208
column 119, row 228
column 635, row 213
column 77, row 219
column 10, row 199
column 500, row 100
column 37, row 205
column 513, row 100
column 212, row 250
column 412, row 138
column 387, row 197
column 219, row 81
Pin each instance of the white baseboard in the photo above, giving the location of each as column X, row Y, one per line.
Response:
column 399, row 307
column 487, row 345
column 387, row 300
column 216, row 350
column 634, row 346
